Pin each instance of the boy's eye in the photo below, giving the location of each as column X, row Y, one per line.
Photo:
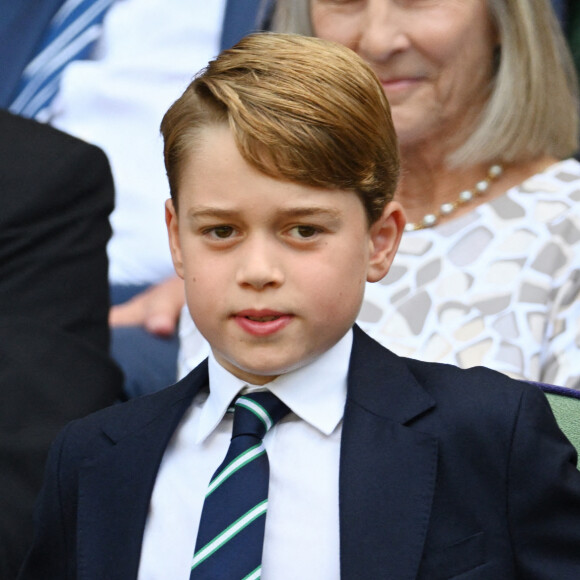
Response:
column 303, row 232
column 221, row 232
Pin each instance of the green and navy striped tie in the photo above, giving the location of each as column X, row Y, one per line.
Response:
column 231, row 531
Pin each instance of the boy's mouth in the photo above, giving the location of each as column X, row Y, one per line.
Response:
column 262, row 322
column 262, row 315
column 263, row 318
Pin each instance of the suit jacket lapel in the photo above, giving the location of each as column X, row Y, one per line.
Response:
column 387, row 470
column 119, row 483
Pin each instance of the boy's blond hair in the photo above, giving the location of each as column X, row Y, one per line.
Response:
column 300, row 109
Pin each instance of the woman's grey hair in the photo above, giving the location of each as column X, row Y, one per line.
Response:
column 533, row 105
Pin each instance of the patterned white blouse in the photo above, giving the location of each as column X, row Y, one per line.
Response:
column 498, row 287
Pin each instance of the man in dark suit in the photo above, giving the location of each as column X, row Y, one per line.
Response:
column 385, row 467
column 57, row 193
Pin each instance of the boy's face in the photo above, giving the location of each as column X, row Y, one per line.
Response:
column 274, row 271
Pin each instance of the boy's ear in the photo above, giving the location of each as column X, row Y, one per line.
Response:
column 385, row 235
column 172, row 222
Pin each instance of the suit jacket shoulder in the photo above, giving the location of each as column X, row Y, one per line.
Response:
column 57, row 193
column 452, row 473
column 54, row 227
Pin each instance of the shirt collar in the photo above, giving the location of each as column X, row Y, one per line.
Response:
column 315, row 392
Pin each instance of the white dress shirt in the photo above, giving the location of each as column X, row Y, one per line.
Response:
column 302, row 524
column 148, row 53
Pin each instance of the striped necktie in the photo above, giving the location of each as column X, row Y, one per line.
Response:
column 71, row 35
column 231, row 531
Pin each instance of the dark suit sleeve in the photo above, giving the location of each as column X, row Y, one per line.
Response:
column 543, row 495
column 57, row 193
column 54, row 537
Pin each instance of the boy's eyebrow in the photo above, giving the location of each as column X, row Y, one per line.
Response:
column 291, row 212
column 311, row 211
column 205, row 211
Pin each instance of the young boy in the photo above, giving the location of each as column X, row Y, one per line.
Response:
column 282, row 163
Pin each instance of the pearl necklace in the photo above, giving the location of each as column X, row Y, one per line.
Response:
column 481, row 188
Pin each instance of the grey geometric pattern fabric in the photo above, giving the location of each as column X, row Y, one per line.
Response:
column 498, row 287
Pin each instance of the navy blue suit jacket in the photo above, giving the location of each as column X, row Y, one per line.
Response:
column 444, row 473
column 22, row 26
column 241, row 17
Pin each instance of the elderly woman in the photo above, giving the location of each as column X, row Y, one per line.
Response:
column 483, row 97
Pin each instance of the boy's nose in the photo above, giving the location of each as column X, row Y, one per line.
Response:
column 382, row 32
column 259, row 266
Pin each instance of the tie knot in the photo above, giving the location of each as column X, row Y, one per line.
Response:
column 256, row 413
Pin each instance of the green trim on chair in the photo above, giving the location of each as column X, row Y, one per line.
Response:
column 567, row 412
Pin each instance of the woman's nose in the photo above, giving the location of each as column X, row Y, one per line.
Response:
column 383, row 31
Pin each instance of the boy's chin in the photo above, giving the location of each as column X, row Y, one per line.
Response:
column 262, row 374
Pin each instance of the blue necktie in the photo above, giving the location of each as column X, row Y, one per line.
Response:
column 71, row 35
column 231, row 531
